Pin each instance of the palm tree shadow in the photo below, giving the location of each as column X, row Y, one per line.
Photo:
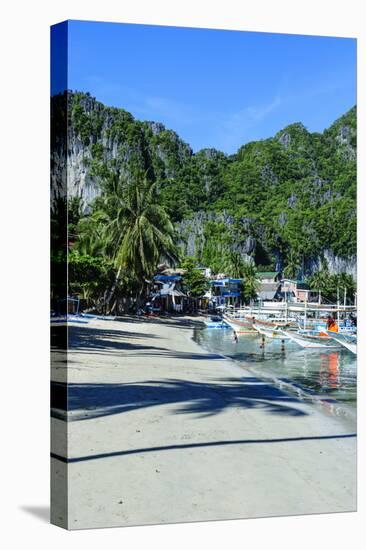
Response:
column 106, row 341
column 87, row 401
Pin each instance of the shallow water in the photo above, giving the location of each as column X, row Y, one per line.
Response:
column 327, row 373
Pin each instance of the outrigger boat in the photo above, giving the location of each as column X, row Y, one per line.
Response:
column 216, row 322
column 274, row 322
column 271, row 332
column 311, row 339
column 347, row 340
column 241, row 325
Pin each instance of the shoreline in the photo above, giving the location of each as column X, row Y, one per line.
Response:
column 179, row 434
column 329, row 405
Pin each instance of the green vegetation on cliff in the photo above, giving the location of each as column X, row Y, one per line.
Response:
column 287, row 202
column 293, row 195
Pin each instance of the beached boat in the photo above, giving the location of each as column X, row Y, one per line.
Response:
column 311, row 339
column 216, row 323
column 241, row 325
column 347, row 340
column 100, row 317
column 69, row 318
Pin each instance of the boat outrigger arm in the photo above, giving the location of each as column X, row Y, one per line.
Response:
column 311, row 341
column 349, row 341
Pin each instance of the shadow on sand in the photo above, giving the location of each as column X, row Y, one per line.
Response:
column 96, row 340
column 86, row 401
column 199, row 445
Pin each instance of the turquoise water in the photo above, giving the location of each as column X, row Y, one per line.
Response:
column 328, row 373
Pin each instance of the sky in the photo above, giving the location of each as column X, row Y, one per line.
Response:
column 214, row 88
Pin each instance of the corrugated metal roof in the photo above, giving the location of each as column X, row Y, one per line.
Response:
column 171, row 292
column 267, row 291
column 167, row 278
column 267, row 295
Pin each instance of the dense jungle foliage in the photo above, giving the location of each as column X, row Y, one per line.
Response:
column 283, row 202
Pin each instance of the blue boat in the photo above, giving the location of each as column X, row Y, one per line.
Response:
column 216, row 322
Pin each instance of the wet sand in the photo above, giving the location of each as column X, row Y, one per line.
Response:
column 162, row 431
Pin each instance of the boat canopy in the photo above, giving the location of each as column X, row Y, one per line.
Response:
column 167, row 278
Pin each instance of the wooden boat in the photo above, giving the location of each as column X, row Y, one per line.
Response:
column 347, row 340
column 274, row 322
column 216, row 322
column 271, row 332
column 241, row 325
column 69, row 318
column 311, row 339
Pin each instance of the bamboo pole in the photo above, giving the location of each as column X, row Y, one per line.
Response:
column 306, row 308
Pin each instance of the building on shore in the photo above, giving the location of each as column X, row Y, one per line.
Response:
column 298, row 291
column 225, row 292
column 269, row 286
column 167, row 293
column 269, row 277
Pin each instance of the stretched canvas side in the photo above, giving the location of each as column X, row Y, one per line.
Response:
column 59, row 276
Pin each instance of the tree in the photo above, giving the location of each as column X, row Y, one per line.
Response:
column 333, row 286
column 234, row 265
column 341, row 284
column 140, row 233
column 293, row 266
column 250, row 283
column 89, row 276
column 195, row 282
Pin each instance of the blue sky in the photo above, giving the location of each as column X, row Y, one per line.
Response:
column 214, row 88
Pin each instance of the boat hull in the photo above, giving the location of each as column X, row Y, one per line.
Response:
column 273, row 333
column 312, row 341
column 347, row 341
column 241, row 326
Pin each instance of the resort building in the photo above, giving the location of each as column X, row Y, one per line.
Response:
column 167, row 294
column 269, row 286
column 298, row 291
column 225, row 292
column 269, row 277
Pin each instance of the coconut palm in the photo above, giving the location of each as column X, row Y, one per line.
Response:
column 233, row 264
column 293, row 266
column 251, row 283
column 238, row 268
column 140, row 233
column 320, row 281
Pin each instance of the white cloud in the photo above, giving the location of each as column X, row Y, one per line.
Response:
column 235, row 128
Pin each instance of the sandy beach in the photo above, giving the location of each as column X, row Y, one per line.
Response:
column 162, row 431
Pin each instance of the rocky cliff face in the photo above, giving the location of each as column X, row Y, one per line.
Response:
column 100, row 137
column 194, row 237
column 294, row 191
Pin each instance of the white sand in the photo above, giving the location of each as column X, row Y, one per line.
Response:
column 203, row 435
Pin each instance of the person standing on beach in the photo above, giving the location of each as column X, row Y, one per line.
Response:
column 235, row 337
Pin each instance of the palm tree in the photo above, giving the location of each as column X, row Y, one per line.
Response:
column 238, row 268
column 320, row 281
column 233, row 264
column 251, row 283
column 292, row 266
column 140, row 233
column 92, row 234
column 342, row 284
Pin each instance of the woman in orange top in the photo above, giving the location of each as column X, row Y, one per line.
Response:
column 331, row 324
